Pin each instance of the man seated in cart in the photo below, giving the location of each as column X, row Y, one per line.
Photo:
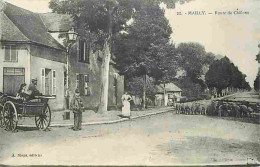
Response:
column 33, row 91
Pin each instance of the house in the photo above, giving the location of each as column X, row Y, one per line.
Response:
column 172, row 94
column 30, row 48
column 28, row 51
column 85, row 66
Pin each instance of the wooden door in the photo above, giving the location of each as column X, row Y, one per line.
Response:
column 13, row 78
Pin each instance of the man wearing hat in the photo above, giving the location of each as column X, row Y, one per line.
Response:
column 33, row 90
column 77, row 108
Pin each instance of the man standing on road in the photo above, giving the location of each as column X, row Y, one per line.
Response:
column 77, row 108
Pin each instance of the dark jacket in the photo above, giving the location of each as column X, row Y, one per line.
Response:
column 76, row 104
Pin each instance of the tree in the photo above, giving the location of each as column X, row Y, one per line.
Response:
column 145, row 49
column 223, row 73
column 192, row 57
column 257, row 82
column 194, row 60
column 97, row 20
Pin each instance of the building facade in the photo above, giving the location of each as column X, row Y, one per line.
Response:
column 84, row 66
column 30, row 48
column 84, row 74
column 28, row 51
column 171, row 95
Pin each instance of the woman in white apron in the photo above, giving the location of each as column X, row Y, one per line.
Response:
column 126, row 98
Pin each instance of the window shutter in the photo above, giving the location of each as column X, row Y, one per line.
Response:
column 84, row 52
column 89, row 91
column 86, row 86
column 54, row 89
column 80, row 50
column 81, row 84
column 65, row 78
column 43, row 80
column 86, row 78
column 87, row 52
column 77, row 81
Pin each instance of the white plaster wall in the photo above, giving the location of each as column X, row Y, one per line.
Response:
column 166, row 99
column 36, row 65
column 23, row 62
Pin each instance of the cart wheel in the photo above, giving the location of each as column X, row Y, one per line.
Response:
column 1, row 116
column 10, row 116
column 43, row 120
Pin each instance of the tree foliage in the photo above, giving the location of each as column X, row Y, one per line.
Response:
column 145, row 48
column 223, row 73
column 257, row 82
column 135, row 86
column 194, row 60
column 192, row 91
column 97, row 20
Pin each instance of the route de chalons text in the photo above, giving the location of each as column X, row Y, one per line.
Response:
column 196, row 12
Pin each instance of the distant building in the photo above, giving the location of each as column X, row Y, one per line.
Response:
column 172, row 94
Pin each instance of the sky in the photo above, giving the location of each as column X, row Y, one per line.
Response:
column 233, row 35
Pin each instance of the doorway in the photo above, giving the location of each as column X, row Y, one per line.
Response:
column 13, row 78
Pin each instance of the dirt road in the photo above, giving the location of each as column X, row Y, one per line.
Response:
column 166, row 139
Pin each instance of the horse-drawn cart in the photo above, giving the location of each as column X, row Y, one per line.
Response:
column 11, row 108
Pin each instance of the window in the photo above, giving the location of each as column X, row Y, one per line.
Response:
column 82, row 83
column 53, row 82
column 115, row 82
column 83, row 52
column 86, row 86
column 77, row 81
column 65, row 78
column 43, row 80
column 11, row 53
column 48, row 82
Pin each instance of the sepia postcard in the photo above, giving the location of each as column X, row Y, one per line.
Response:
column 129, row 82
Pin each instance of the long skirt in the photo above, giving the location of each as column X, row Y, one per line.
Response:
column 126, row 108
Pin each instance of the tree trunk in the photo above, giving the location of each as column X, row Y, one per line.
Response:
column 164, row 95
column 103, row 102
column 104, row 78
column 144, row 93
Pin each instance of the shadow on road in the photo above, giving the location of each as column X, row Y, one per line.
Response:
column 23, row 128
column 245, row 119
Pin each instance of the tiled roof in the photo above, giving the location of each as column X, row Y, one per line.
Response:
column 9, row 32
column 57, row 22
column 169, row 87
column 25, row 26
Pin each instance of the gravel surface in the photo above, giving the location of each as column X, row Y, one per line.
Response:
column 165, row 139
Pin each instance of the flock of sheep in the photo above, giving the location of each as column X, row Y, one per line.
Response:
column 219, row 108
